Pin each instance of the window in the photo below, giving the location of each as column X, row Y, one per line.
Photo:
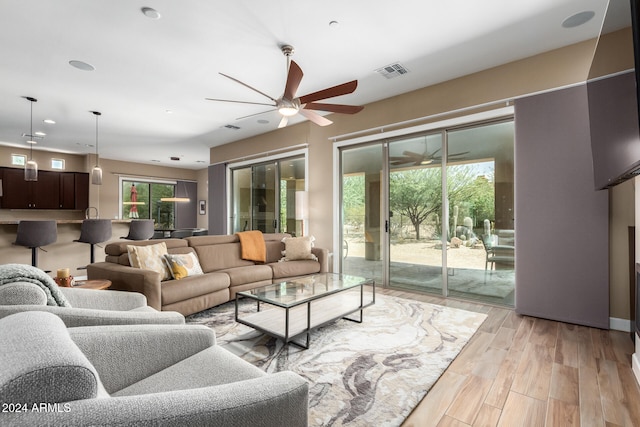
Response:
column 142, row 199
column 18, row 159
column 57, row 164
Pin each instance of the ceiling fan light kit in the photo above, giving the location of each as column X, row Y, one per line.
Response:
column 288, row 105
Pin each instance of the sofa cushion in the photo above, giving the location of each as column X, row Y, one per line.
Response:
column 193, row 286
column 41, row 364
column 150, row 258
column 248, row 274
column 183, row 265
column 221, row 256
column 298, row 248
column 294, row 268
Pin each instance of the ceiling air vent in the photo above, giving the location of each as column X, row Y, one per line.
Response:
column 232, row 127
column 392, row 70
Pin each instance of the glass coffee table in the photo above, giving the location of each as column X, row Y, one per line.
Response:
column 294, row 308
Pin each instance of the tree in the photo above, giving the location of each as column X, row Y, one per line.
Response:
column 353, row 198
column 417, row 193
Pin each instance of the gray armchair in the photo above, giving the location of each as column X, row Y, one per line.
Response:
column 136, row 375
column 88, row 307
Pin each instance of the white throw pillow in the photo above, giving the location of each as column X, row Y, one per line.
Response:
column 183, row 265
column 298, row 248
column 150, row 257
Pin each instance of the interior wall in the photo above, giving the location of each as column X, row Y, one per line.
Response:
column 203, row 194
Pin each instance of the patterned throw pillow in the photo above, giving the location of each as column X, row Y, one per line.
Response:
column 183, row 265
column 150, row 258
column 297, row 248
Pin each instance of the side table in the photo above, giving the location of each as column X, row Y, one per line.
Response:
column 92, row 284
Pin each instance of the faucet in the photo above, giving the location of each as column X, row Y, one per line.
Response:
column 87, row 214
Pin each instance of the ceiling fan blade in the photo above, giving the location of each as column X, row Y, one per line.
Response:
column 315, row 117
column 247, row 86
column 238, row 102
column 342, row 89
column 413, row 155
column 283, row 122
column 294, row 77
column 334, row 108
column 458, row 154
column 254, row 114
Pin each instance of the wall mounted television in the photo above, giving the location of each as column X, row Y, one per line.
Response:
column 614, row 107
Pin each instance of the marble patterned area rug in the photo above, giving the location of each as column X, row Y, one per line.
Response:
column 360, row 374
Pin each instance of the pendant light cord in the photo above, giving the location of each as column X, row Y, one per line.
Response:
column 31, row 132
column 97, row 114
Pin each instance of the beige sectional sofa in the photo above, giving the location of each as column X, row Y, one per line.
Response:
column 225, row 272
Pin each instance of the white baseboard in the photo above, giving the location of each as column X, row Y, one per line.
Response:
column 623, row 325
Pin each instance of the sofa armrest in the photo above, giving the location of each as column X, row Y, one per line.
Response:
column 104, row 300
column 125, row 354
column 74, row 317
column 126, row 278
column 19, row 293
column 323, row 258
column 275, row 400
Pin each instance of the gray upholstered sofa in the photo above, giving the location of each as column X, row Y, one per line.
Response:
column 135, row 375
column 225, row 271
column 87, row 307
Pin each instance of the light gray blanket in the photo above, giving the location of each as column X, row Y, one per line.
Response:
column 12, row 273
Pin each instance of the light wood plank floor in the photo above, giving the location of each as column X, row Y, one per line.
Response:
column 525, row 371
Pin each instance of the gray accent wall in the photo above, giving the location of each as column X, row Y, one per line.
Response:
column 562, row 223
column 217, row 199
column 186, row 212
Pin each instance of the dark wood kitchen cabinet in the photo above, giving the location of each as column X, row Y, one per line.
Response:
column 52, row 190
column 74, row 190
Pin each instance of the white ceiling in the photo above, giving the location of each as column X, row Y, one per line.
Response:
column 144, row 67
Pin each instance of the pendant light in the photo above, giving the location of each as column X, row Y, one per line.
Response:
column 31, row 167
column 96, row 172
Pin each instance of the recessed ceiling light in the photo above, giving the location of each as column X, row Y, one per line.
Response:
column 263, row 121
column 150, row 12
column 39, row 133
column 49, row 121
column 81, row 65
column 334, row 24
column 578, row 19
column 168, row 111
column 175, row 158
column 156, row 161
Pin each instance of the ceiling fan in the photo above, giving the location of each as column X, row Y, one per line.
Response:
column 289, row 105
column 426, row 158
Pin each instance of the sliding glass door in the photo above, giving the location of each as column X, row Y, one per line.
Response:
column 363, row 220
column 480, row 191
column 433, row 212
column 415, row 202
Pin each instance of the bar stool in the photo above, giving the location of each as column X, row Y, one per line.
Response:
column 94, row 231
column 34, row 234
column 140, row 229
